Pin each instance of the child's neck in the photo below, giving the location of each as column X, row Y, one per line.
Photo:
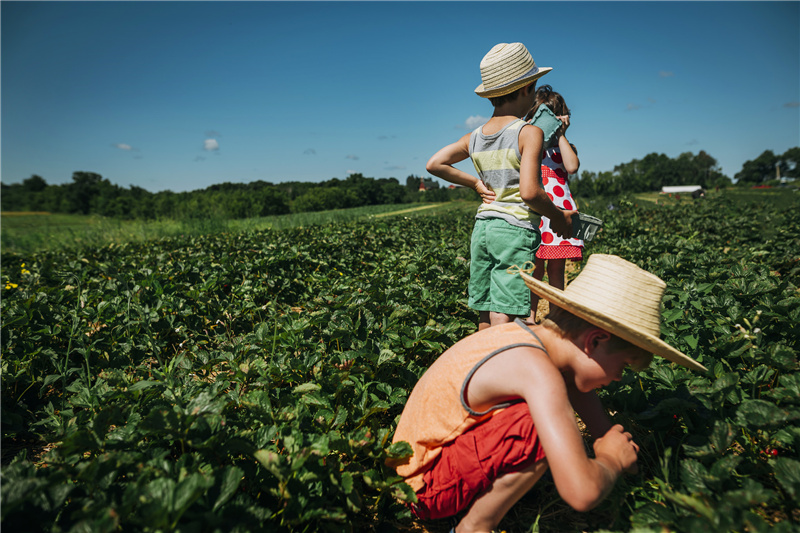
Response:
column 504, row 114
column 560, row 350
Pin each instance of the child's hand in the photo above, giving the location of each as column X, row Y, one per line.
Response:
column 563, row 226
column 564, row 125
column 487, row 195
column 617, row 450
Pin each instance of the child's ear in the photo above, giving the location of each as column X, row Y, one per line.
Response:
column 593, row 339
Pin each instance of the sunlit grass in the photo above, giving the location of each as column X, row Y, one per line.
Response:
column 30, row 232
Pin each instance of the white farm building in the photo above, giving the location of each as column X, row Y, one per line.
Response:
column 678, row 189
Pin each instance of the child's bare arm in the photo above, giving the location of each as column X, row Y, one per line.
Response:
column 441, row 166
column 591, row 411
column 530, row 189
column 568, row 156
column 528, row 374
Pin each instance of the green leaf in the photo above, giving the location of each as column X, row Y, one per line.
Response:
column 400, row 450
column 693, row 475
column 305, row 387
column 231, row 479
column 145, row 384
column 721, row 436
column 188, row 491
column 760, row 413
column 787, row 472
column 691, row 340
column 404, row 492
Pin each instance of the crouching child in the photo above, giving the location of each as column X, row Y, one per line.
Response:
column 497, row 409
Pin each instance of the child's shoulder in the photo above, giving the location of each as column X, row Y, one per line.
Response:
column 531, row 137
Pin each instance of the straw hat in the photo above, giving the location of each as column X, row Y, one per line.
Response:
column 619, row 297
column 506, row 68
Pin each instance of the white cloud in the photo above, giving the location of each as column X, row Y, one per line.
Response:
column 666, row 73
column 351, row 156
column 210, row 145
column 473, row 122
column 123, row 146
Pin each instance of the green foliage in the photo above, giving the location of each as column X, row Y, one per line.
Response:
column 768, row 166
column 252, row 381
column 246, row 382
column 89, row 193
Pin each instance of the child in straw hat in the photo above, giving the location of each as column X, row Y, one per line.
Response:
column 507, row 154
column 496, row 410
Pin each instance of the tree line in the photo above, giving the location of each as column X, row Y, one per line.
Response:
column 655, row 171
column 90, row 193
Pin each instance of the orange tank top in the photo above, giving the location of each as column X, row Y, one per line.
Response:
column 436, row 411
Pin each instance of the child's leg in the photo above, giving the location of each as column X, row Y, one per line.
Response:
column 484, row 320
column 538, row 273
column 501, row 318
column 489, row 508
column 555, row 272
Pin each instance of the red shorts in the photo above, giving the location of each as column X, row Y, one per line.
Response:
column 468, row 466
column 565, row 251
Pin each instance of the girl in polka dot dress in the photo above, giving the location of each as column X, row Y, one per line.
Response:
column 559, row 160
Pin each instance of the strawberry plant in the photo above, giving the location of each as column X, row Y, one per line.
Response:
column 252, row 381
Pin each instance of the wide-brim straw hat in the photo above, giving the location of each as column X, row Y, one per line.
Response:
column 506, row 68
column 619, row 297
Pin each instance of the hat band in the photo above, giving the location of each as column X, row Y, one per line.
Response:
column 528, row 74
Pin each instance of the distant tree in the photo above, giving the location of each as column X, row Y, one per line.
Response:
column 82, row 190
column 791, row 159
column 412, row 182
column 34, row 184
column 758, row 170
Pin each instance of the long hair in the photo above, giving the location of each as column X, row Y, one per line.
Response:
column 547, row 96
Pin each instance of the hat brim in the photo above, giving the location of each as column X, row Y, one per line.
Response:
column 511, row 87
column 639, row 338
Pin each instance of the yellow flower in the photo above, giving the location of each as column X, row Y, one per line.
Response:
column 10, row 285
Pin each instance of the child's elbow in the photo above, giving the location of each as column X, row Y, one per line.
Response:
column 583, row 498
column 430, row 166
column 582, row 505
column 433, row 165
column 527, row 196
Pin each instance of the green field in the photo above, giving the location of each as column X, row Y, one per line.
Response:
column 23, row 232
column 251, row 380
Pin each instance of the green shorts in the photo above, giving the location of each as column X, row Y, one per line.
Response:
column 497, row 245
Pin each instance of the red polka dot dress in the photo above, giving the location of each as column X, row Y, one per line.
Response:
column 556, row 185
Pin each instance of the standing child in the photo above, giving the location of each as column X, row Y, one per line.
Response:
column 507, row 154
column 497, row 409
column 559, row 160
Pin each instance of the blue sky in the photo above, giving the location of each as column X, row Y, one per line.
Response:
column 183, row 95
